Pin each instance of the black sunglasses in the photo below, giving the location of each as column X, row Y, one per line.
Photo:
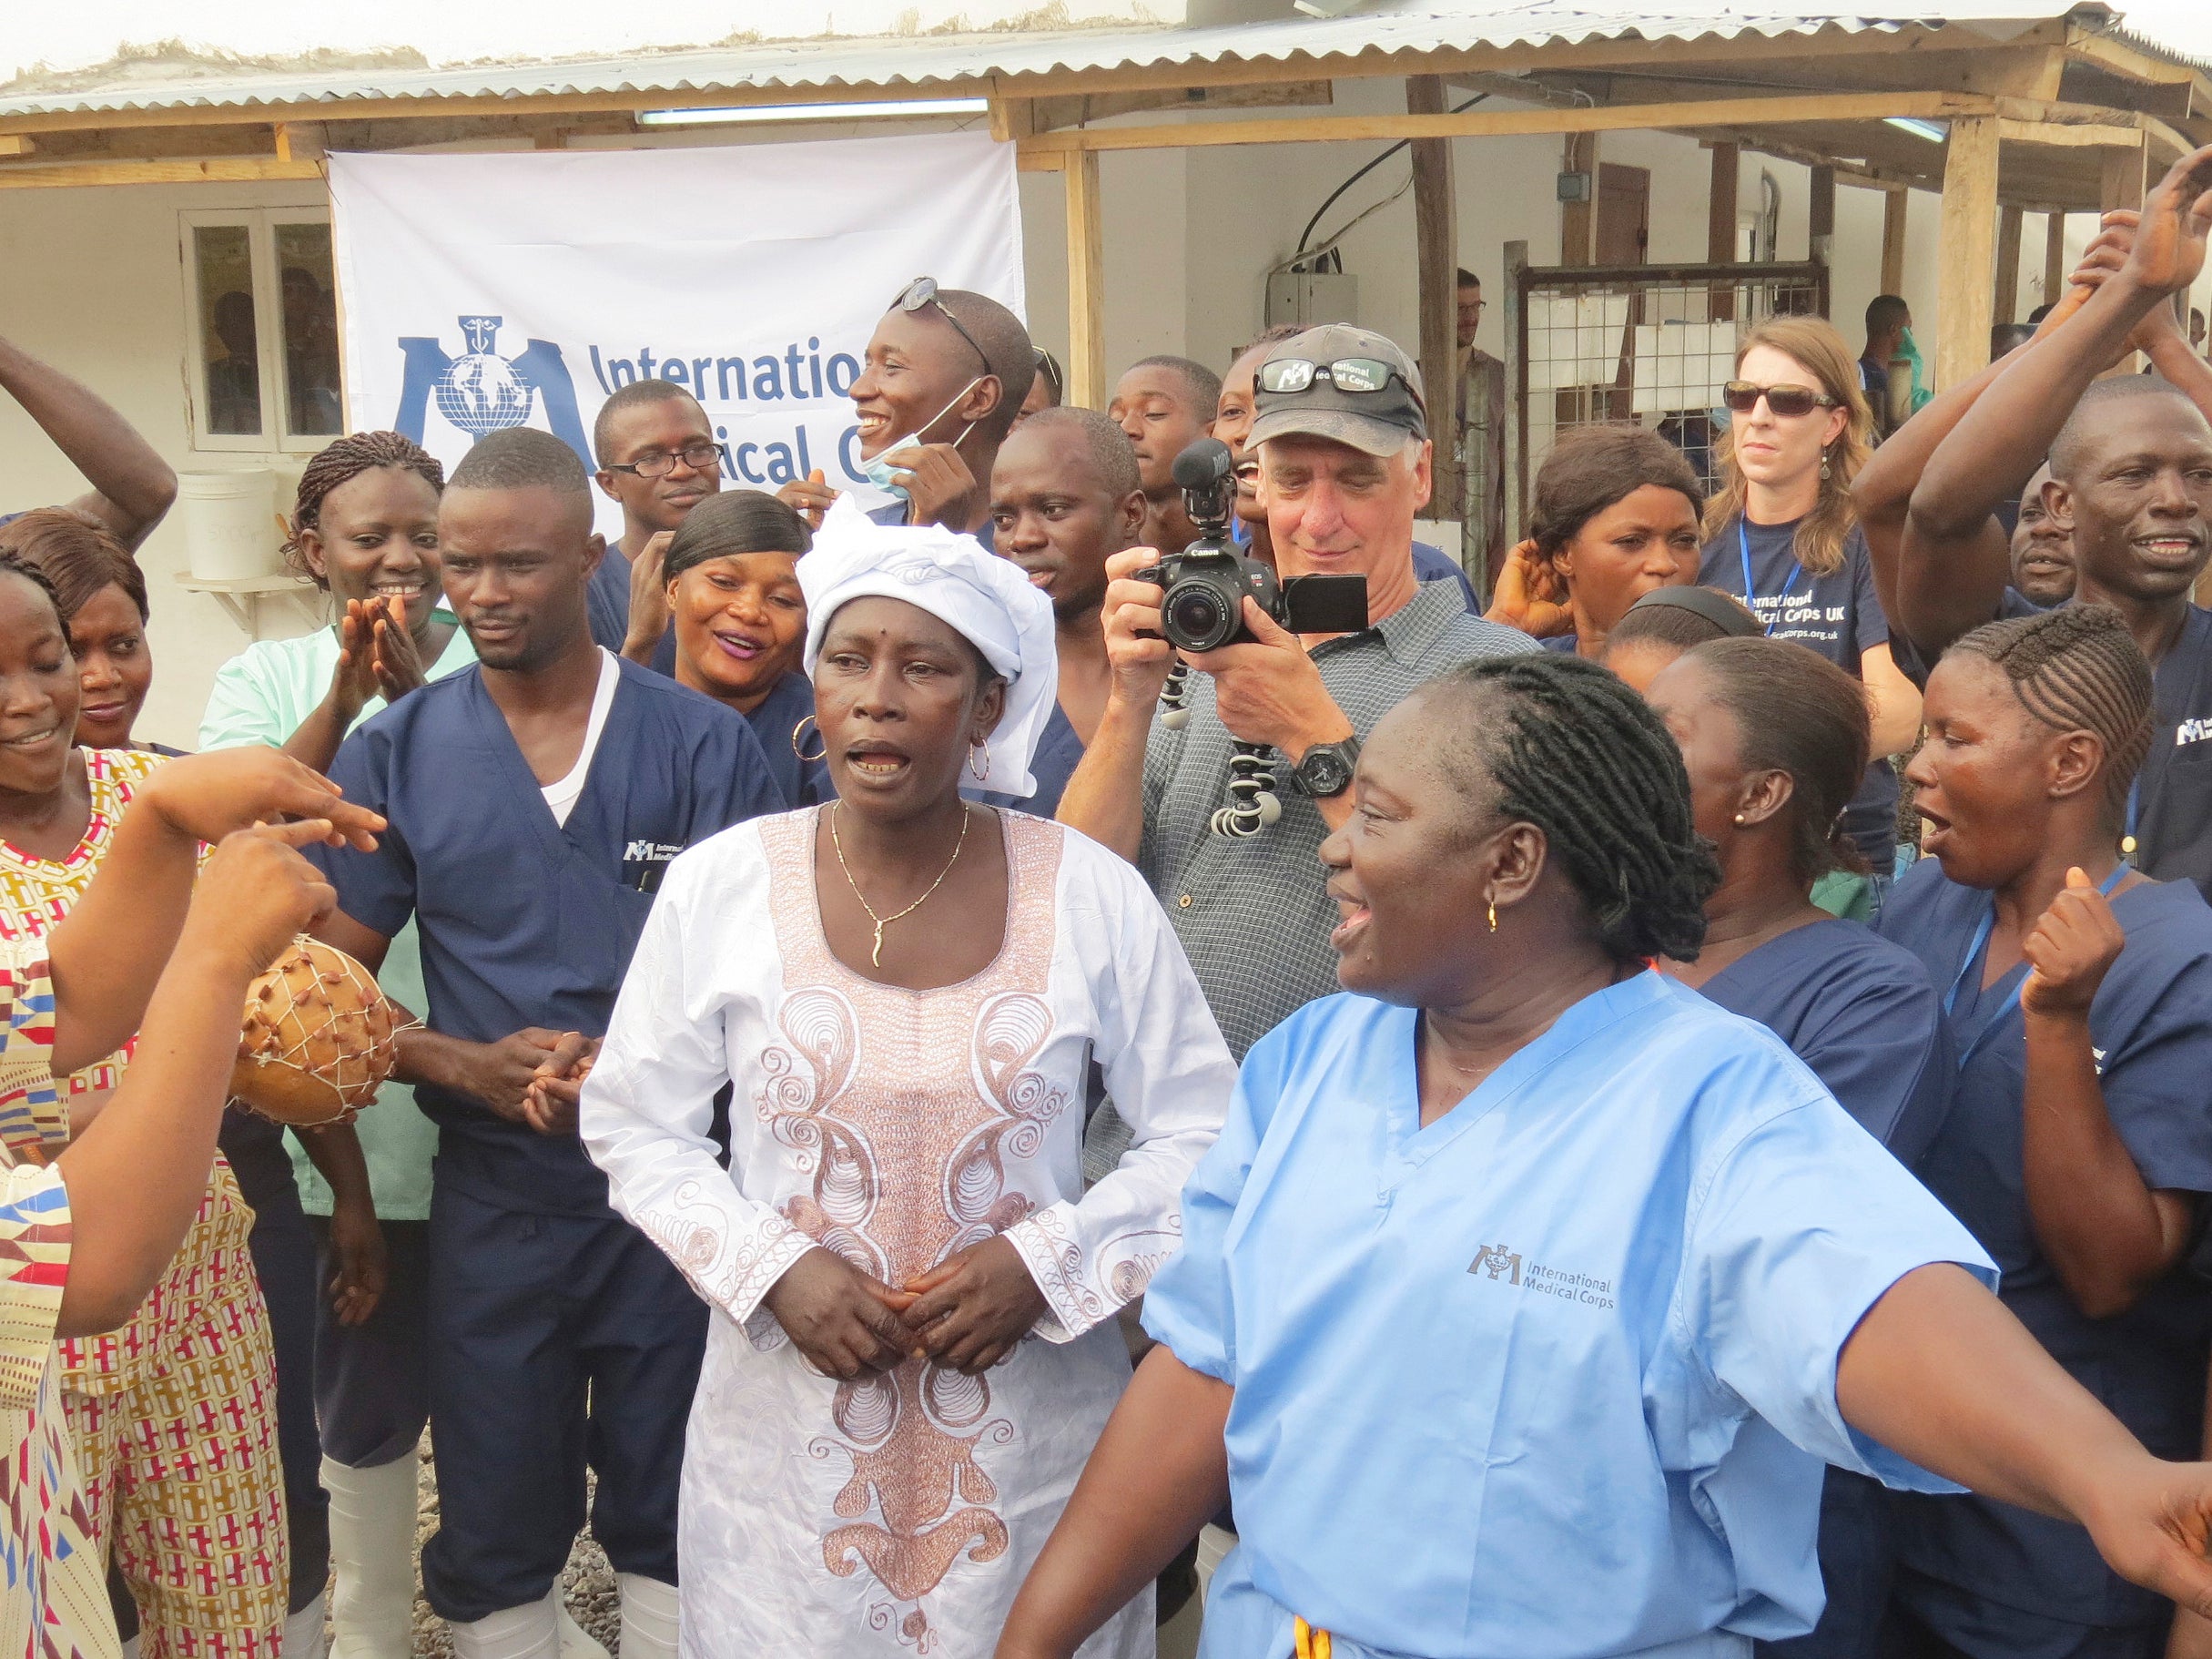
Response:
column 921, row 293
column 1788, row 401
column 1353, row 374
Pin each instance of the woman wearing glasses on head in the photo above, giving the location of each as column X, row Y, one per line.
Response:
column 1780, row 535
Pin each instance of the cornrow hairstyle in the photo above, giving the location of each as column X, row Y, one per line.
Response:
column 735, row 522
column 1567, row 747
column 79, row 555
column 1797, row 712
column 2077, row 669
column 15, row 563
column 340, row 462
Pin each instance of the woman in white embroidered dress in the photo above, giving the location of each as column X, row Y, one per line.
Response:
column 918, row 1346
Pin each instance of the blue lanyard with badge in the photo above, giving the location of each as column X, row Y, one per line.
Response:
column 1751, row 594
column 1973, row 954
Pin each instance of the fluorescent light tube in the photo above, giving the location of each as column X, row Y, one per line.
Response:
column 908, row 107
column 1934, row 131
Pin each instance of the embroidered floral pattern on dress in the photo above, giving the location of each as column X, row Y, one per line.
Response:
column 904, row 1109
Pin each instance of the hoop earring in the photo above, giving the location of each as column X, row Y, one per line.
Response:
column 798, row 743
column 980, row 773
column 1494, row 915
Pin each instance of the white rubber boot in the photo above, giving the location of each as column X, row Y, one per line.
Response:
column 131, row 1649
column 520, row 1633
column 303, row 1632
column 372, row 1552
column 576, row 1643
column 650, row 1617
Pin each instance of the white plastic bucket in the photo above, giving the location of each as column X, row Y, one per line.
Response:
column 229, row 524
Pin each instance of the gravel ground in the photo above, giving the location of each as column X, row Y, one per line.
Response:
column 588, row 1585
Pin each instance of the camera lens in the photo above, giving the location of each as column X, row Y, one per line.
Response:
column 1195, row 617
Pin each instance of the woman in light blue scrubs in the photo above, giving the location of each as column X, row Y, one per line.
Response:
column 2078, row 1147
column 1527, row 1290
column 1774, row 738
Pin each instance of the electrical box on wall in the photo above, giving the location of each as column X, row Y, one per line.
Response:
column 1311, row 297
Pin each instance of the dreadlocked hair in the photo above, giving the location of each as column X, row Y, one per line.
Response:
column 2077, row 669
column 1569, row 749
column 340, row 462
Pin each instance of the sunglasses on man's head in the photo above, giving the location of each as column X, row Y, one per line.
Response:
column 1788, row 401
column 1360, row 374
column 921, row 294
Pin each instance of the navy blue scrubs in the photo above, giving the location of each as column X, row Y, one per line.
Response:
column 558, row 1333
column 1860, row 1012
column 607, row 600
column 2172, row 805
column 1995, row 1581
column 1837, row 615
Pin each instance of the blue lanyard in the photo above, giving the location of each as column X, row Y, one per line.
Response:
column 1751, row 594
column 2134, row 804
column 1973, row 954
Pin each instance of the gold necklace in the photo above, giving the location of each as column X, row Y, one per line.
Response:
column 876, row 959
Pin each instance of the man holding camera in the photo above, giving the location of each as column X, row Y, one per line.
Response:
column 1342, row 432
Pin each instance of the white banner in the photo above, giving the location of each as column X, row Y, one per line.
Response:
column 486, row 291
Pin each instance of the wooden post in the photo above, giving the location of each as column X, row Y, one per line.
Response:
column 1086, row 285
column 1516, row 412
column 2053, row 257
column 2006, row 306
column 2120, row 184
column 1436, row 252
column 1894, row 208
column 1720, row 226
column 1820, row 215
column 1578, row 219
column 1964, row 291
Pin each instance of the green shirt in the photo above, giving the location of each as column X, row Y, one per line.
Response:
column 264, row 695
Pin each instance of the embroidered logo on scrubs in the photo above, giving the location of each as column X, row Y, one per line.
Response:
column 2192, row 731
column 644, row 862
column 1497, row 1262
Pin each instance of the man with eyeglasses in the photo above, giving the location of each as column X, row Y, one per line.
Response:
column 658, row 458
column 944, row 378
column 1341, row 428
column 1483, row 411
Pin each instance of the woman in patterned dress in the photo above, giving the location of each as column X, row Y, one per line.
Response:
column 915, row 1345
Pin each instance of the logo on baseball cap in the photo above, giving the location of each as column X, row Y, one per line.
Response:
column 1336, row 382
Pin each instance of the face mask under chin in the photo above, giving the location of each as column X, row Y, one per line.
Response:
column 881, row 473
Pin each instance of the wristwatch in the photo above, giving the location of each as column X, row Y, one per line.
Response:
column 1326, row 769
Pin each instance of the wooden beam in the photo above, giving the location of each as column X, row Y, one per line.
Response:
column 2053, row 257
column 1720, row 226
column 1045, row 114
column 1893, row 240
column 1436, row 258
column 1057, row 163
column 1507, row 123
column 2005, row 308
column 1963, row 290
column 1086, row 285
column 2065, row 137
column 230, row 169
column 2120, row 175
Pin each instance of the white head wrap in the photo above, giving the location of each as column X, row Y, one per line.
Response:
column 986, row 598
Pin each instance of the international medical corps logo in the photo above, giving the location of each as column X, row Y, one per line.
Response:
column 1495, row 1262
column 480, row 391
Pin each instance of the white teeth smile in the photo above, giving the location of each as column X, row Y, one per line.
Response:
column 31, row 740
column 878, row 766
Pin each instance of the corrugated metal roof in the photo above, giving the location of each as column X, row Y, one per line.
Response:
column 931, row 60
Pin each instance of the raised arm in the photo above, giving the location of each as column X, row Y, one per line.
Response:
column 132, row 486
column 136, row 1176
column 1952, row 565
column 1105, row 797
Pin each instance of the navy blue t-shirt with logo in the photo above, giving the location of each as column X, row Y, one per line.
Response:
column 1836, row 615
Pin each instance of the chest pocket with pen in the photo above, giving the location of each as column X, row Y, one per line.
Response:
column 644, row 862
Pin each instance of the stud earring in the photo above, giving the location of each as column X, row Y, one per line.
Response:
column 1740, row 818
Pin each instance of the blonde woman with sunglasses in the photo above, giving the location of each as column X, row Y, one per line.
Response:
column 1780, row 535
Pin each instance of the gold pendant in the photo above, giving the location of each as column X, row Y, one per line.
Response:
column 877, row 959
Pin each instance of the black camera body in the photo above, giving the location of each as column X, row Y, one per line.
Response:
column 1205, row 585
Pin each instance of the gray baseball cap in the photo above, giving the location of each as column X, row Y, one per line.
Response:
column 1379, row 422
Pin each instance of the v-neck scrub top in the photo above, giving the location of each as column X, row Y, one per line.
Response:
column 2151, row 1025
column 524, row 921
column 1859, row 1011
column 1553, row 1377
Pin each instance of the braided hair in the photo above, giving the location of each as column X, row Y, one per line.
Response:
column 14, row 564
column 2077, row 669
column 340, row 462
column 1567, row 747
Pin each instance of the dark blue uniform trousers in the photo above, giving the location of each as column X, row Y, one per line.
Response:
column 554, row 1341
